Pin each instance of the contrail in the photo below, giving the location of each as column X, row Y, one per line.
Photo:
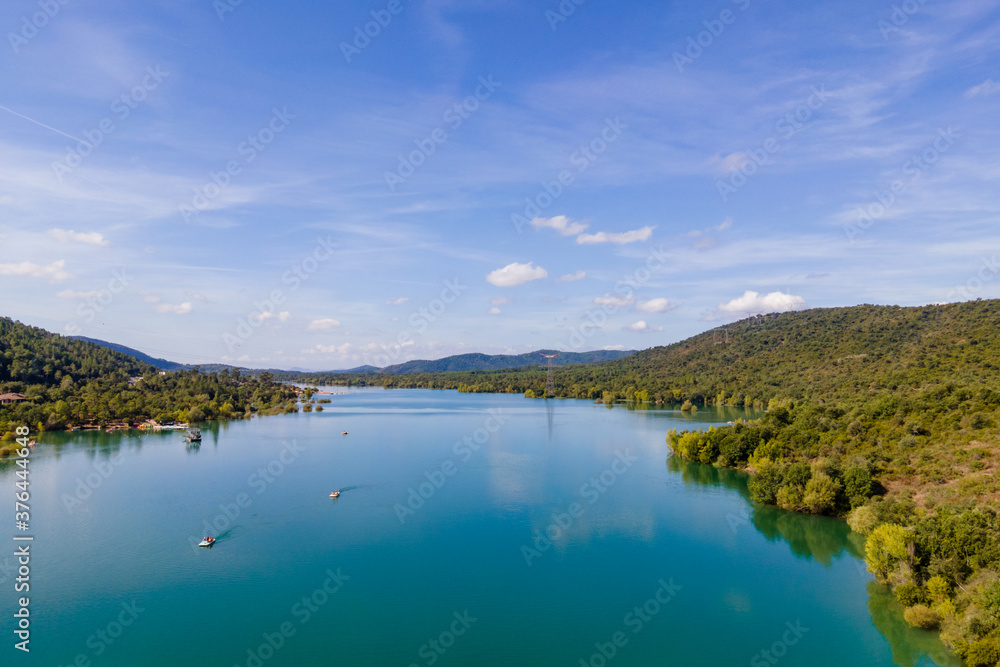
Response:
column 47, row 127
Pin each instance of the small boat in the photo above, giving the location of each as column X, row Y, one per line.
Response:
column 193, row 435
column 335, row 494
column 343, row 433
column 207, row 542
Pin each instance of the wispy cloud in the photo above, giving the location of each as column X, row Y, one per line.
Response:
column 614, row 300
column 985, row 89
column 54, row 272
column 642, row 327
column 658, row 305
column 324, row 324
column 516, row 274
column 561, row 224
column 91, row 238
column 396, row 302
column 572, row 277
column 619, row 238
column 73, row 294
column 179, row 309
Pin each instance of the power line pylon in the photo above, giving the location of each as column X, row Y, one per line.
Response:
column 550, row 382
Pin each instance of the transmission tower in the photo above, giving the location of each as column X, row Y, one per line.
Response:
column 550, row 382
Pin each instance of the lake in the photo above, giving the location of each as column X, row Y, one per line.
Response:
column 472, row 529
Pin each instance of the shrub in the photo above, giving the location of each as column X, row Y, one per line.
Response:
column 984, row 653
column 857, row 485
column 862, row 520
column 764, row 486
column 789, row 497
column 938, row 589
column 909, row 595
column 686, row 406
column 821, row 494
column 885, row 549
column 922, row 616
column 4, row 452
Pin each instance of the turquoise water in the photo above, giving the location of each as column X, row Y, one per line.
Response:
column 433, row 554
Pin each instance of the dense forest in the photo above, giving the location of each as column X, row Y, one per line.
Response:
column 885, row 415
column 68, row 382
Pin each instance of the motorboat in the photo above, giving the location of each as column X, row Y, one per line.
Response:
column 207, row 542
column 193, row 435
column 343, row 433
column 335, row 494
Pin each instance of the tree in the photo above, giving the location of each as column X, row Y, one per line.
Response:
column 821, row 494
column 886, row 549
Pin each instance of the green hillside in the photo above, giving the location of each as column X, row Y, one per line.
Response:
column 67, row 382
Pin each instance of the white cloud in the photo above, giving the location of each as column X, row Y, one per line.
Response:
column 659, row 305
column 613, row 348
column 570, row 277
column 180, row 309
column 323, row 324
column 561, row 224
column 281, row 317
column 396, row 302
column 613, row 237
column 71, row 294
column 516, row 274
column 493, row 311
column 615, row 301
column 501, row 301
column 55, row 271
column 64, row 235
column 642, row 327
column 330, row 349
column 985, row 89
column 752, row 302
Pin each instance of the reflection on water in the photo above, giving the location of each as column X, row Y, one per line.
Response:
column 823, row 539
column 909, row 645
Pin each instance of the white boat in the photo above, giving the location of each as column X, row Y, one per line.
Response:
column 207, row 542
column 335, row 494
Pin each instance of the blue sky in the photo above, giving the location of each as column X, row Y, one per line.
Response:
column 268, row 185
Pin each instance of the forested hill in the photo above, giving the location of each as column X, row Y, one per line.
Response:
column 487, row 362
column 824, row 354
column 66, row 381
column 30, row 355
column 162, row 364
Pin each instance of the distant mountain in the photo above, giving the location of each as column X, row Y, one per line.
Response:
column 492, row 362
column 162, row 364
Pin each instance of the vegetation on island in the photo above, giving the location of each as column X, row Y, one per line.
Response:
column 68, row 382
